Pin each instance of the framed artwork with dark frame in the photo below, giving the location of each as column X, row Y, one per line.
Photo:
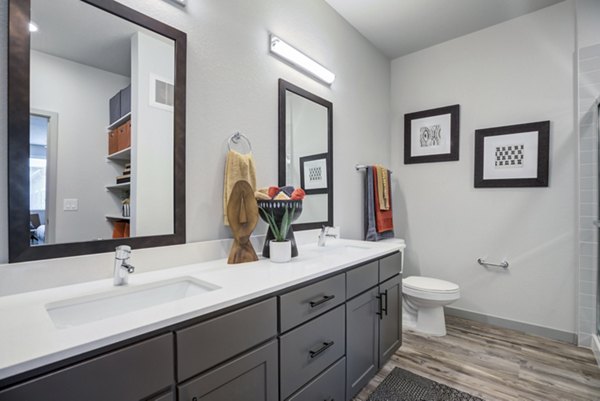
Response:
column 432, row 135
column 512, row 156
column 313, row 173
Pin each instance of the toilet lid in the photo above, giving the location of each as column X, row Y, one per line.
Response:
column 429, row 284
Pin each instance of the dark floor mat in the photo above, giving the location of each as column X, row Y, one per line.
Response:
column 402, row 385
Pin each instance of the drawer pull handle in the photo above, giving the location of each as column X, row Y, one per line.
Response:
column 379, row 306
column 385, row 308
column 321, row 301
column 320, row 350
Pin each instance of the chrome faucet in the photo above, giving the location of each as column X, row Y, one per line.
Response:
column 122, row 268
column 324, row 234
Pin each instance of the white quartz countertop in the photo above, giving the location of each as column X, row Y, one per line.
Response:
column 30, row 339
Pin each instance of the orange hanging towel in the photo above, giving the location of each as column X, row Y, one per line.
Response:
column 383, row 218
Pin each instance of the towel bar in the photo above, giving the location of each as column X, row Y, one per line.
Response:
column 364, row 167
column 503, row 264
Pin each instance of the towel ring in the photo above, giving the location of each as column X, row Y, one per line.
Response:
column 235, row 139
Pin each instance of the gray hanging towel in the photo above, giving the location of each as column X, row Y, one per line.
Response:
column 371, row 233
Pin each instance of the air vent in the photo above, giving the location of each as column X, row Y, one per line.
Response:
column 162, row 93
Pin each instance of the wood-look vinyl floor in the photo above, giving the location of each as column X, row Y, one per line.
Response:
column 497, row 364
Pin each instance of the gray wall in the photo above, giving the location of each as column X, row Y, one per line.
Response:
column 232, row 86
column 82, row 171
column 152, row 139
column 516, row 72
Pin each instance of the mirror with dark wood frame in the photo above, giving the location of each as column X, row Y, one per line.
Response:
column 306, row 152
column 96, row 129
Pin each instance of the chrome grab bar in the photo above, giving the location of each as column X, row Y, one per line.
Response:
column 503, row 264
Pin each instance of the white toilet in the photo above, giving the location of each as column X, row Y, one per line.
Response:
column 423, row 304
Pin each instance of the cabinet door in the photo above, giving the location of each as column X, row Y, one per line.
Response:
column 129, row 374
column 251, row 377
column 390, row 326
column 362, row 338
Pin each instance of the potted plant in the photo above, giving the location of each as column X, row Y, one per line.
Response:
column 280, row 246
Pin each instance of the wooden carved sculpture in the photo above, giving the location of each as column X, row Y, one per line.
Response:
column 242, row 213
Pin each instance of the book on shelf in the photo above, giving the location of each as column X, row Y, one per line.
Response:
column 122, row 179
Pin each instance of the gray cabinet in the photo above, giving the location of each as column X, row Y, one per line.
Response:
column 311, row 301
column 209, row 343
column 311, row 348
column 251, row 377
column 328, row 386
column 390, row 324
column 390, row 266
column 129, row 374
column 373, row 325
column 170, row 396
column 362, row 351
column 324, row 341
column 362, row 278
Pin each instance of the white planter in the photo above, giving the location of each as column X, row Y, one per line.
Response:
column 280, row 252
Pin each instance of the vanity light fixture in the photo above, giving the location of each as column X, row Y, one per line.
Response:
column 301, row 60
column 180, row 2
column 33, row 27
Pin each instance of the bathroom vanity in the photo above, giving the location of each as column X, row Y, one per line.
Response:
column 316, row 328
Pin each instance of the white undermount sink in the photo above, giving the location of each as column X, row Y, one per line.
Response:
column 334, row 246
column 121, row 300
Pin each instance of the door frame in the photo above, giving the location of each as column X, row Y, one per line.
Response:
column 51, row 171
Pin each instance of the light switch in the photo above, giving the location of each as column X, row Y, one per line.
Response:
column 71, row 205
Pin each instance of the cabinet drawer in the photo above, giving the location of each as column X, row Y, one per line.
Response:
column 209, row 343
column 390, row 266
column 131, row 373
column 251, row 377
column 309, row 349
column 329, row 385
column 298, row 306
column 361, row 279
column 165, row 397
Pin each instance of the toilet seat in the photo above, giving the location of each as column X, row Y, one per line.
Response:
column 427, row 288
column 428, row 284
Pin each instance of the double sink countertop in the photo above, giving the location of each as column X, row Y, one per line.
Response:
column 84, row 318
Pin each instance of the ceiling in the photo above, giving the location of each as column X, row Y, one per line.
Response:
column 400, row 27
column 82, row 33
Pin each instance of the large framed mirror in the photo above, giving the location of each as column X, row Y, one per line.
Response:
column 96, row 129
column 305, row 152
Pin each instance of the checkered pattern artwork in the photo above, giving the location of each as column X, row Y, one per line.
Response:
column 315, row 173
column 511, row 156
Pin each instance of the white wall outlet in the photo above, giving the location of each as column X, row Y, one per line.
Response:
column 70, row 205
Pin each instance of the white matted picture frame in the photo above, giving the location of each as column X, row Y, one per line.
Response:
column 313, row 174
column 512, row 156
column 432, row 135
